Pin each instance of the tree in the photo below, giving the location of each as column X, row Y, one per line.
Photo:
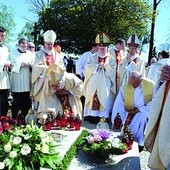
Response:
column 7, row 21
column 28, row 30
column 77, row 22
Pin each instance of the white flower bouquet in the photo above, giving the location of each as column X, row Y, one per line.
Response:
column 27, row 149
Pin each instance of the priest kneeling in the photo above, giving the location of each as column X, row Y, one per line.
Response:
column 133, row 103
column 61, row 93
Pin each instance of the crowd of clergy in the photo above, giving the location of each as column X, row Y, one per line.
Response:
column 112, row 80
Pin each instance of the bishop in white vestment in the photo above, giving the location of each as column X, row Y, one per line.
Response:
column 45, row 57
column 100, row 84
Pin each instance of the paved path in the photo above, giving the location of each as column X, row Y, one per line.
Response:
column 144, row 155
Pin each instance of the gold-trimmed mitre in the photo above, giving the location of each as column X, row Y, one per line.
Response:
column 55, row 73
column 102, row 38
column 49, row 36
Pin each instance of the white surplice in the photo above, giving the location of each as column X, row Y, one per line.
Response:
column 139, row 121
column 81, row 63
column 4, row 77
column 155, row 69
column 20, row 76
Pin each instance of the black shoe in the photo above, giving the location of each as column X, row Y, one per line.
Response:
column 140, row 148
column 87, row 118
column 95, row 120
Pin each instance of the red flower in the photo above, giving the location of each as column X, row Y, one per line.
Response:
column 6, row 126
column 1, row 128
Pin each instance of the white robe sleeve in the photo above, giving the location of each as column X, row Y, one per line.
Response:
column 80, row 65
column 119, row 106
column 145, row 109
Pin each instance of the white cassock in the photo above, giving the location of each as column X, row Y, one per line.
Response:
column 4, row 77
column 155, row 69
column 81, row 63
column 139, row 121
column 21, row 76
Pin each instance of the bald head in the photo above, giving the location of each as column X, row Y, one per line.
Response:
column 135, row 79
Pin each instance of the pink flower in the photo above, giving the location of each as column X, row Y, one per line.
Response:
column 91, row 139
column 97, row 138
column 95, row 132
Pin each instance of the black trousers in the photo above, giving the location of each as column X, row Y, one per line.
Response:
column 22, row 101
column 4, row 102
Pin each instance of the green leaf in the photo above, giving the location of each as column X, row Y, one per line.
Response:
column 11, row 164
column 49, row 162
column 42, row 160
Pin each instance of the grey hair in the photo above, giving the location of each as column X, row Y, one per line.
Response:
column 135, row 74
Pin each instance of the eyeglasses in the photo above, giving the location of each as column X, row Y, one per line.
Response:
column 31, row 47
column 132, row 48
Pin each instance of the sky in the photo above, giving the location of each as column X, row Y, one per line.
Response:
column 162, row 25
column 21, row 10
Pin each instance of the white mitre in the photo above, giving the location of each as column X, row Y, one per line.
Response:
column 49, row 36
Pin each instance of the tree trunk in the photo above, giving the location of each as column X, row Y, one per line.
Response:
column 151, row 44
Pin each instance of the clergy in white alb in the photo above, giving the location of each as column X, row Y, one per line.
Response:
column 82, row 61
column 133, row 103
column 4, row 73
column 132, row 62
column 118, row 54
column 155, row 69
column 22, row 60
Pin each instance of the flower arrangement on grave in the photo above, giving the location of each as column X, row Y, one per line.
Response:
column 102, row 142
column 28, row 148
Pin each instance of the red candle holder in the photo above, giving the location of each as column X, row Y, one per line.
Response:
column 63, row 121
column 117, row 122
column 78, row 122
column 48, row 126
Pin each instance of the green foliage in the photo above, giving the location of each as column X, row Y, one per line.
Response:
column 72, row 152
column 26, row 32
column 7, row 21
column 78, row 22
column 28, row 147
